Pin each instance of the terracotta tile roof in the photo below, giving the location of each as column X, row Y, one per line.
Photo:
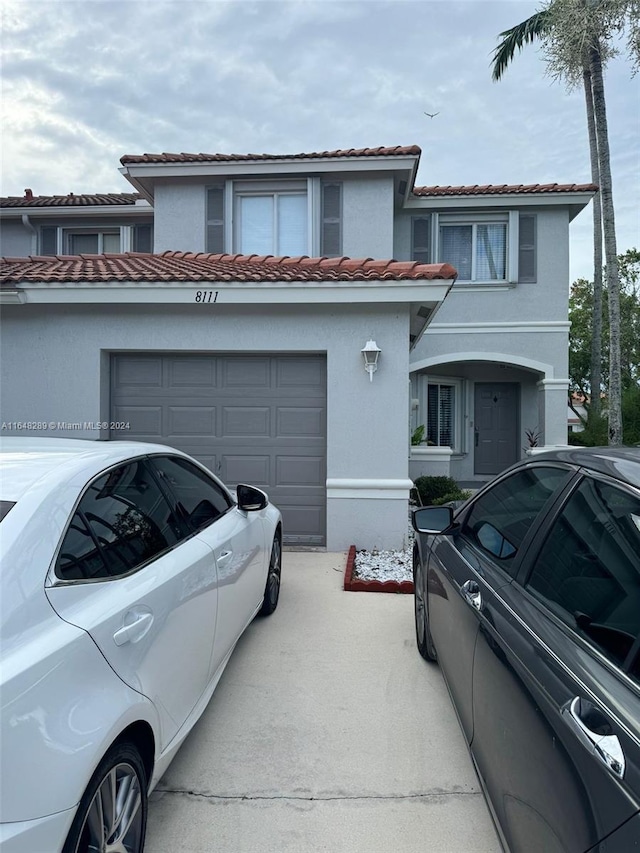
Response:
column 397, row 150
column 71, row 200
column 191, row 266
column 500, row 189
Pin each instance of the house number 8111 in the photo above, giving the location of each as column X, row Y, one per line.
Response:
column 206, row 296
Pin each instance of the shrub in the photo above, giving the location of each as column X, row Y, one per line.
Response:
column 458, row 495
column 430, row 489
column 417, row 436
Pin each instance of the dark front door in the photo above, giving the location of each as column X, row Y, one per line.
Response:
column 496, row 426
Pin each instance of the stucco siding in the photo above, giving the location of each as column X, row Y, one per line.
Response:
column 367, row 421
column 179, row 221
column 15, row 240
column 367, row 214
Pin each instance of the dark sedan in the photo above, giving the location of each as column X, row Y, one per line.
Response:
column 529, row 598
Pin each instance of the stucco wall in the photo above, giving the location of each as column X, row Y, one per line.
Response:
column 63, row 377
column 15, row 240
column 179, row 221
column 367, row 209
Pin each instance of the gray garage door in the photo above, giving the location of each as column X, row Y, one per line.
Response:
column 258, row 419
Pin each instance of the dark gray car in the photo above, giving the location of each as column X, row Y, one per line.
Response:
column 529, row 597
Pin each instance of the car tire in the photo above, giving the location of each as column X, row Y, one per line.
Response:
column 113, row 809
column 421, row 611
column 272, row 588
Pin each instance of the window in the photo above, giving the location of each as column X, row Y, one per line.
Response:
column 501, row 518
column 588, row 571
column 440, row 421
column 477, row 250
column 123, row 520
column 272, row 224
column 421, row 239
column 142, row 238
column 199, row 499
column 92, row 242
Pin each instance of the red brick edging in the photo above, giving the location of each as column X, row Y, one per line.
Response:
column 355, row 584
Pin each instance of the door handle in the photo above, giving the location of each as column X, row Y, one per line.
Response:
column 223, row 558
column 470, row 591
column 606, row 747
column 136, row 626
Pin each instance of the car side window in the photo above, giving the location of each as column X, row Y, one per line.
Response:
column 588, row 570
column 122, row 521
column 500, row 519
column 200, row 500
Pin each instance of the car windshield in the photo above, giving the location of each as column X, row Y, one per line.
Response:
column 5, row 506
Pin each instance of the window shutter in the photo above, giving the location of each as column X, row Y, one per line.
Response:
column 215, row 220
column 48, row 241
column 527, row 248
column 331, row 239
column 421, row 239
column 143, row 238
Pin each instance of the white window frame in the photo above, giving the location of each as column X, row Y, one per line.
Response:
column 459, row 404
column 65, row 235
column 309, row 187
column 509, row 218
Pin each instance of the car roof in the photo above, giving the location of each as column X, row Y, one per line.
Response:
column 24, row 461
column 623, row 463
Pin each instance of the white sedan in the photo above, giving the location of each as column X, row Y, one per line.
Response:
column 128, row 573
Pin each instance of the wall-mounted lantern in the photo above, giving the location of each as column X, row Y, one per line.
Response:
column 371, row 352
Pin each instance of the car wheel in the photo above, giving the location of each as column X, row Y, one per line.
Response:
column 272, row 589
column 423, row 634
column 112, row 815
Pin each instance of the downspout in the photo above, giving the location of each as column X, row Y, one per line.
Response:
column 34, row 234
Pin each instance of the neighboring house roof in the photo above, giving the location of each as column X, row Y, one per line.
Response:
column 191, row 266
column 397, row 150
column 502, row 189
column 70, row 200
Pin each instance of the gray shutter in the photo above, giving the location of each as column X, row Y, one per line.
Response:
column 527, row 248
column 143, row 238
column 421, row 239
column 215, row 220
column 331, row 238
column 48, row 240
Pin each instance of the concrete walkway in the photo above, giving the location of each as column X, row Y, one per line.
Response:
column 327, row 732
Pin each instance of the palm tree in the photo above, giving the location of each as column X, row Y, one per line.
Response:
column 572, row 31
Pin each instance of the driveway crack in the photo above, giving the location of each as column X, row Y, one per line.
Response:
column 428, row 795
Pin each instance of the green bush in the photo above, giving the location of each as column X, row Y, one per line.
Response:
column 458, row 495
column 417, row 437
column 431, row 489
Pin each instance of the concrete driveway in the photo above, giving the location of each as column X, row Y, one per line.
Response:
column 327, row 732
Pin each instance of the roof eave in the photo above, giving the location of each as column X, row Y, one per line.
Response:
column 575, row 201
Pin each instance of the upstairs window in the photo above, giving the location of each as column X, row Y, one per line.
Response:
column 272, row 223
column 82, row 242
column 477, row 250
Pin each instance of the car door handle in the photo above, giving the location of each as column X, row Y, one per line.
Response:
column 606, row 747
column 470, row 591
column 223, row 558
column 136, row 626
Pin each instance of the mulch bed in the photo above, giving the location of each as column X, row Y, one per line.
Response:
column 353, row 583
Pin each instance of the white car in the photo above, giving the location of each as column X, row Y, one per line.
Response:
column 127, row 574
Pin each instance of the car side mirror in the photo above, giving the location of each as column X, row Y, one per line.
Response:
column 433, row 519
column 251, row 499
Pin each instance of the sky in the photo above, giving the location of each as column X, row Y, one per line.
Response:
column 85, row 82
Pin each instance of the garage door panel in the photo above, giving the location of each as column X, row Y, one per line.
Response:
column 254, row 470
column 139, row 371
column 246, row 420
column 247, row 372
column 300, row 421
column 252, row 419
column 191, row 420
column 299, row 470
column 141, row 419
column 192, row 371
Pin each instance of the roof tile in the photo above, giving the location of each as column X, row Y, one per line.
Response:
column 189, row 267
column 502, row 189
column 381, row 151
column 71, row 200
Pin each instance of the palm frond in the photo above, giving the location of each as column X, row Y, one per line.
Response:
column 515, row 39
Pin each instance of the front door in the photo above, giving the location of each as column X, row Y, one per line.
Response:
column 496, row 426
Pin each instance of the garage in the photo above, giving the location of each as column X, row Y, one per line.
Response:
column 258, row 419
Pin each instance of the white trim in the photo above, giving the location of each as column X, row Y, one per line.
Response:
column 372, row 489
column 314, row 225
column 502, row 358
column 240, row 293
column 228, row 217
column 498, row 200
column 427, row 453
column 535, row 326
column 553, row 384
column 71, row 211
column 12, row 297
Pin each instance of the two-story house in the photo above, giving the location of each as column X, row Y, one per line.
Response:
column 223, row 308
